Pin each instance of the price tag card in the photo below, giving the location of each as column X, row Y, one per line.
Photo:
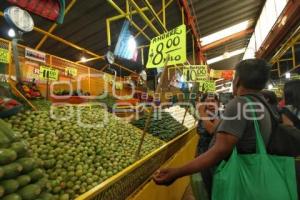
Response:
column 70, row 71
column 47, row 72
column 195, row 73
column 172, row 43
column 207, row 86
column 108, row 78
column 4, row 56
column 119, row 85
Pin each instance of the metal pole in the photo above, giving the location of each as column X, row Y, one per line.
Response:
column 108, row 20
column 138, row 9
column 16, row 59
column 104, row 67
column 47, row 85
column 157, row 90
column 161, row 24
column 142, row 55
column 133, row 24
column 145, row 27
column 89, row 71
column 182, row 14
column 9, row 60
column 294, row 56
column 164, row 12
column 71, row 4
column 193, row 39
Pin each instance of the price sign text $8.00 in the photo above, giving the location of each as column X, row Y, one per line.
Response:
column 172, row 44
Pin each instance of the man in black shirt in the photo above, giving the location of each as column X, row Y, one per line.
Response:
column 235, row 128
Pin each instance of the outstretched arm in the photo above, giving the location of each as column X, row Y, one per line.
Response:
column 220, row 150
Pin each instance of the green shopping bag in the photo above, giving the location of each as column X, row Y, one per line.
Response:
column 256, row 176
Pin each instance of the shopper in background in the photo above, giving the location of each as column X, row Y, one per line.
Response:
column 250, row 78
column 209, row 118
column 291, row 111
column 271, row 98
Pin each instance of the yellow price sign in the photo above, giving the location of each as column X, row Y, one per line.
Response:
column 119, row 85
column 195, row 73
column 172, row 44
column 48, row 73
column 108, row 78
column 70, row 71
column 4, row 55
column 208, row 86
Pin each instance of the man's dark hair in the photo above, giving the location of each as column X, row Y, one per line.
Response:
column 292, row 93
column 253, row 73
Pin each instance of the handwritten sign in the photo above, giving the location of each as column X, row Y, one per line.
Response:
column 47, row 72
column 118, row 85
column 108, row 78
column 4, row 56
column 70, row 71
column 208, row 86
column 172, row 44
column 195, row 73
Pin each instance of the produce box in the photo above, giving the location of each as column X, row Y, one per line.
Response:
column 71, row 100
column 178, row 112
column 132, row 178
column 162, row 125
column 41, row 104
column 80, row 147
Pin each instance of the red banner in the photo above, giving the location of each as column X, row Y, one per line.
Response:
column 48, row 9
column 227, row 75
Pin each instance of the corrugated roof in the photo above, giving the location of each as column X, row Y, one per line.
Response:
column 85, row 25
column 215, row 15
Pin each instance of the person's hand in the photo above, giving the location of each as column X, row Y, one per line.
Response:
column 202, row 109
column 165, row 176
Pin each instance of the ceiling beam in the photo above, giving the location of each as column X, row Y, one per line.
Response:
column 286, row 21
column 64, row 41
column 227, row 39
column 53, row 27
column 145, row 18
column 159, row 13
column 113, row 4
column 59, row 39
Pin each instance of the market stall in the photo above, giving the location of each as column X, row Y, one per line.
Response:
column 71, row 157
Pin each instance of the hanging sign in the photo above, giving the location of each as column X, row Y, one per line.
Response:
column 4, row 56
column 227, row 74
column 36, row 71
column 108, row 78
column 207, row 86
column 70, row 71
column 215, row 73
column 51, row 9
column 172, row 44
column 118, row 85
column 35, row 55
column 195, row 73
column 47, row 72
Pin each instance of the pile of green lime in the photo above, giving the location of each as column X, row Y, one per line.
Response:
column 79, row 149
column 21, row 176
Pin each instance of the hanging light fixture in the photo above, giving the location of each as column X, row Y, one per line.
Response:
column 270, row 86
column 83, row 59
column 11, row 33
